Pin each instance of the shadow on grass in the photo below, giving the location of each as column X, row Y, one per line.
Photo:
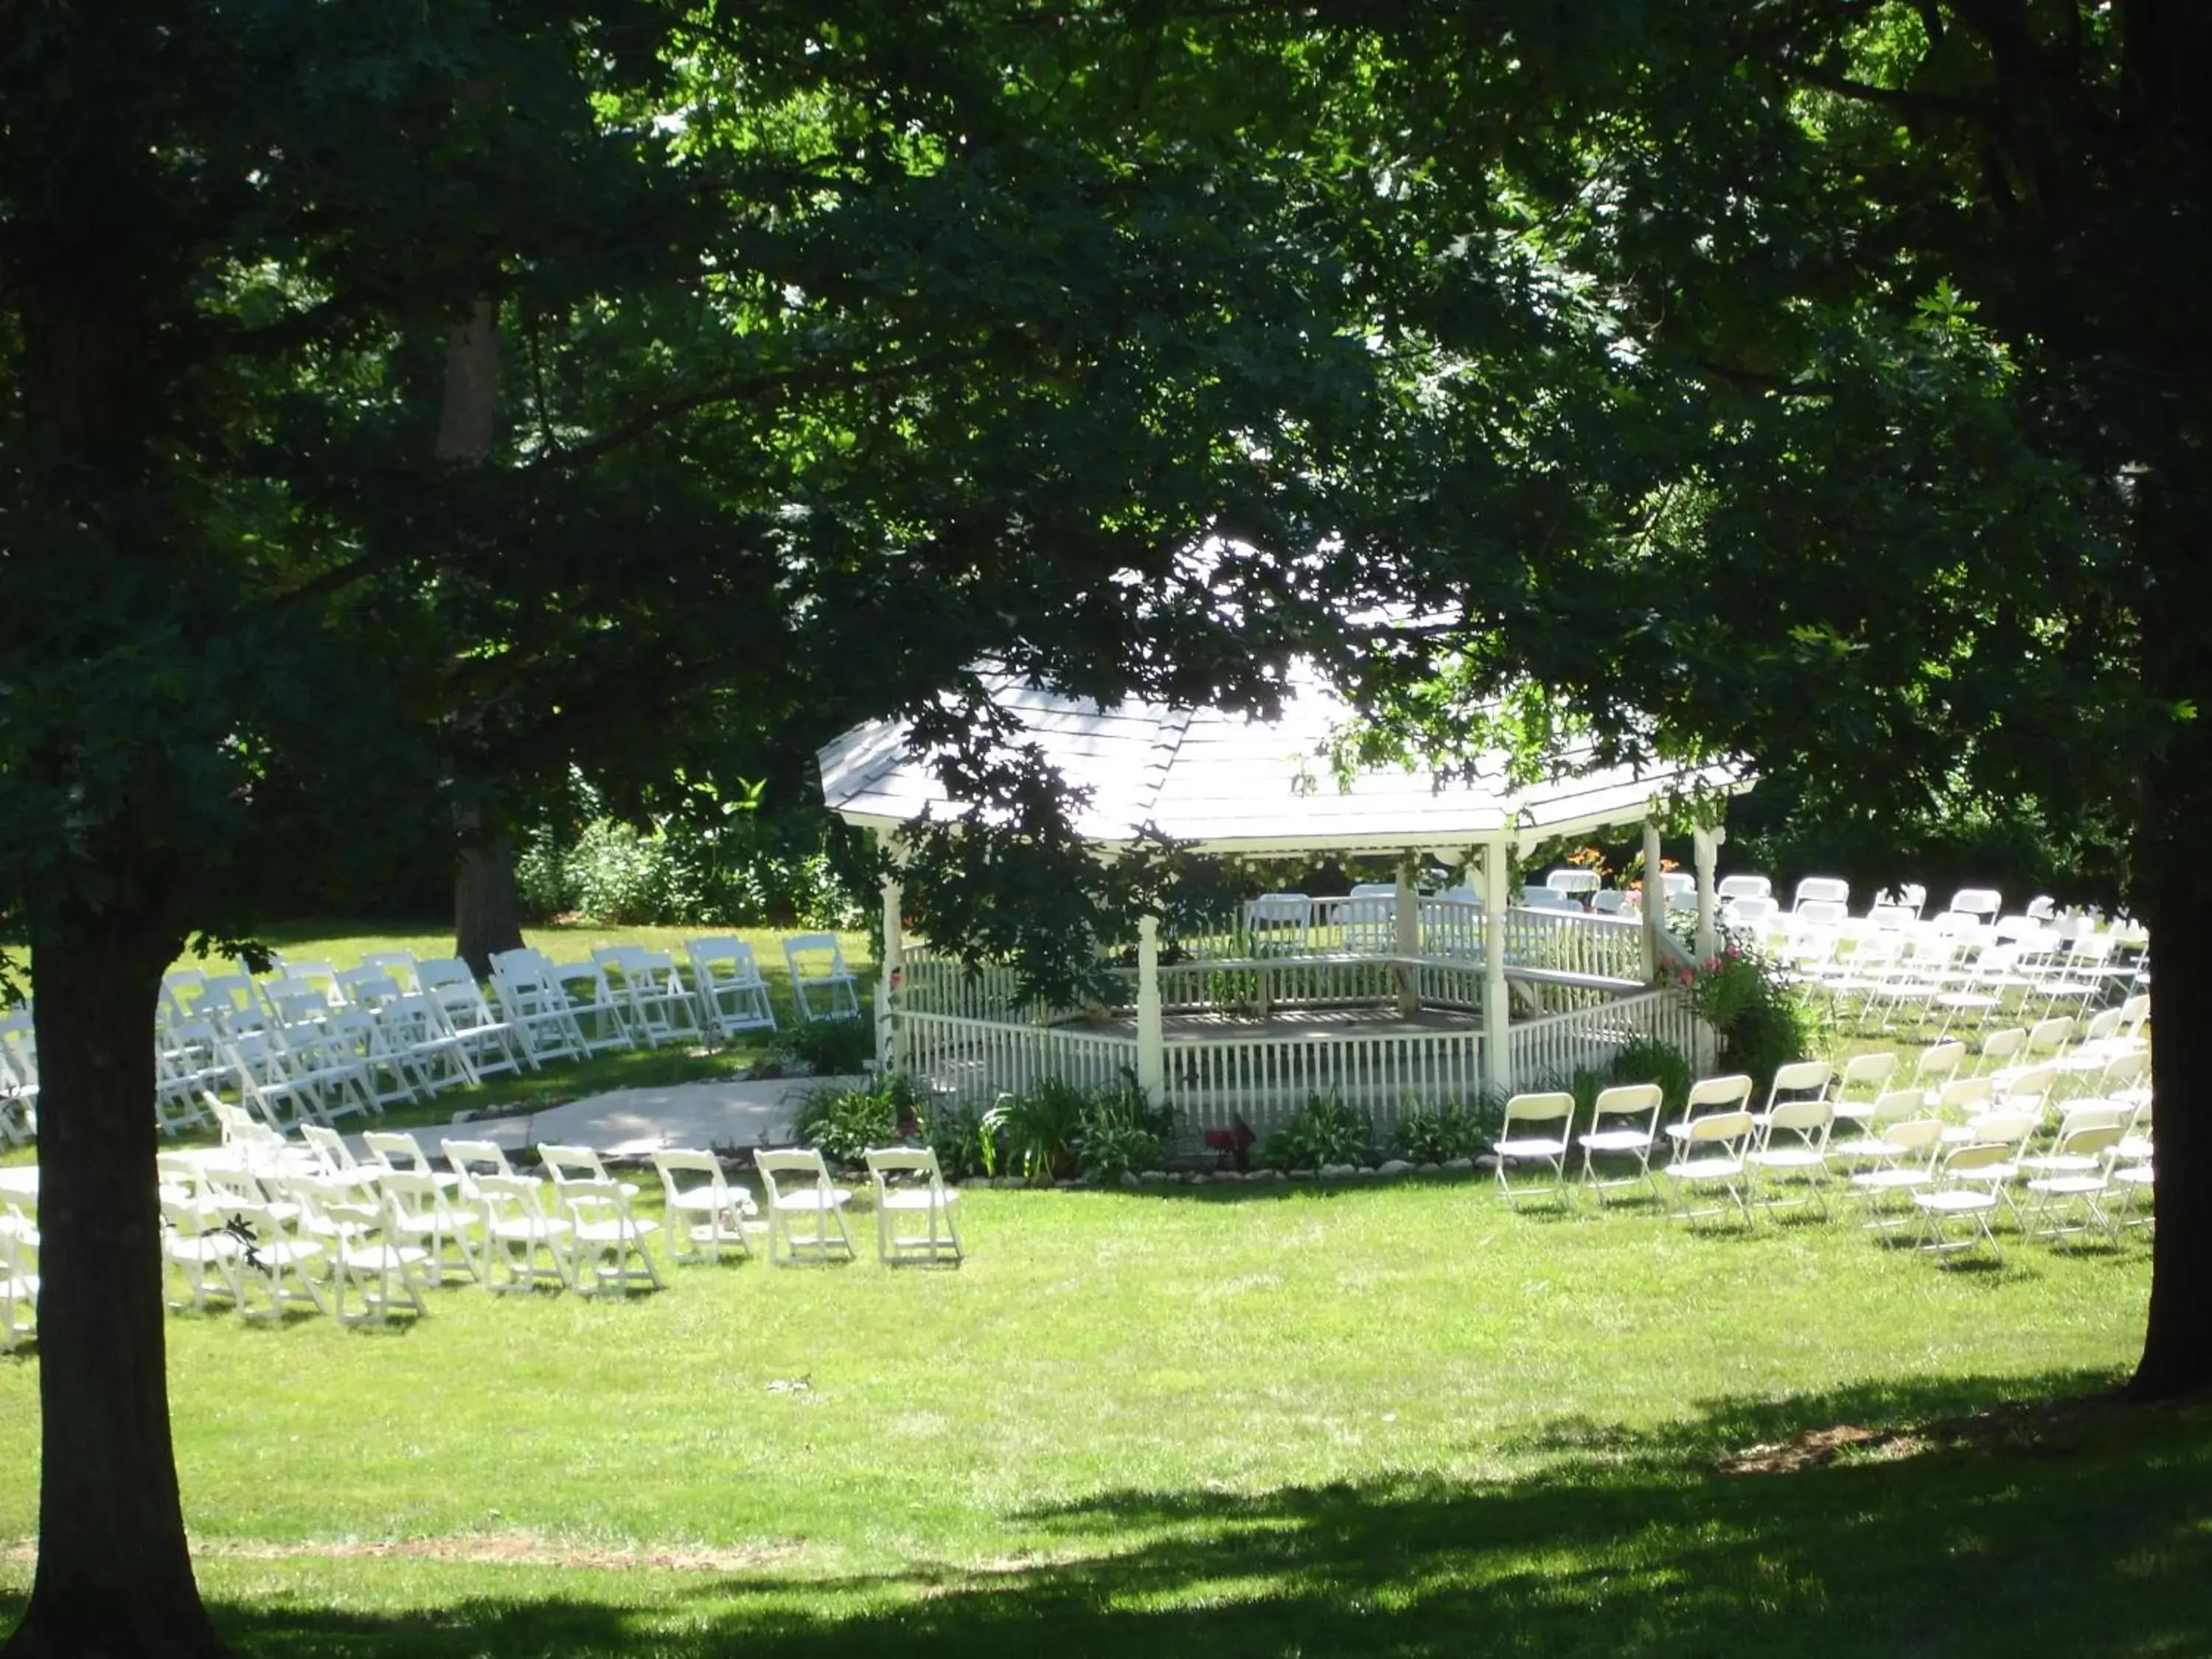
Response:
column 2082, row 1528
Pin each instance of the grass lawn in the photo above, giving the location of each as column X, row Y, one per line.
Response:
column 1275, row 1420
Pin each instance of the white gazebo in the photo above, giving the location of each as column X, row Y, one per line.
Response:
column 1388, row 997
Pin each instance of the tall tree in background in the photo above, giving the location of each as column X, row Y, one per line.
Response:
column 1859, row 424
column 847, row 344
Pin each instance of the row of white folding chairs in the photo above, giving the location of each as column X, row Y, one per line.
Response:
column 1805, row 1097
column 1929, row 978
column 19, row 1076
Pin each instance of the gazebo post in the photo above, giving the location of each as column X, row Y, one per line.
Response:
column 1497, row 1018
column 1705, row 844
column 1151, row 1039
column 891, row 979
column 1407, row 915
column 1655, row 900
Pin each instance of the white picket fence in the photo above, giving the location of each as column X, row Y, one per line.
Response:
column 1265, row 1079
column 1551, row 1050
column 974, row 1061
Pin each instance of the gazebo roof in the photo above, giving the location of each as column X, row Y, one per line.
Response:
column 1225, row 783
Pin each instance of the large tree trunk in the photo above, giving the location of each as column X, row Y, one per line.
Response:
column 2177, row 1356
column 487, row 916
column 115, row 1577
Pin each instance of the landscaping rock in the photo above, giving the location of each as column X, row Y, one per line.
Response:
column 1153, row 1177
column 1487, row 1161
column 1337, row 1171
column 1129, row 1178
column 1459, row 1164
column 1432, row 1169
column 1365, row 1172
column 1395, row 1166
column 1301, row 1175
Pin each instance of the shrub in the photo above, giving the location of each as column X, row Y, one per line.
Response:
column 1121, row 1131
column 1438, row 1135
column 1323, row 1131
column 955, row 1134
column 1035, row 1134
column 827, row 1047
column 1761, row 1020
column 843, row 1124
column 1648, row 1059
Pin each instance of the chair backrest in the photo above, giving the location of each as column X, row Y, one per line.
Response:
column 2001, row 1046
column 1911, row 894
column 1820, row 889
column 1799, row 1077
column 1979, row 1157
column 1867, row 1071
column 1821, row 913
column 2043, row 907
column 727, row 958
column 2133, row 1011
column 569, row 1163
column 1544, row 1107
column 396, row 1149
column 1896, row 1106
column 1712, row 1094
column 2104, row 1025
column 1809, row 1118
column 398, row 966
column 885, row 1163
column 1745, row 887
column 472, row 1159
column 2047, row 1036
column 818, row 955
column 370, row 987
column 1893, row 918
column 1730, row 1128
column 1608, row 902
column 2010, row 1128
column 1939, row 1063
column 2088, row 1139
column 676, row 1162
column 329, row 1148
column 791, row 1166
column 1568, row 879
column 435, row 973
column 1982, row 901
column 1751, row 911
column 1915, row 1134
column 2029, row 1088
column 1629, row 1100
column 1546, row 898
column 1965, row 1094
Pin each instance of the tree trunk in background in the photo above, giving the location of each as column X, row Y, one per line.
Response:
column 486, row 916
column 114, row 1575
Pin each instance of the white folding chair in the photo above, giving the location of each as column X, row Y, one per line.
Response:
column 733, row 995
column 706, row 1215
column 1863, row 1080
column 535, row 1005
column 608, row 1242
column 492, row 1044
column 657, row 1005
column 1709, row 1158
column 524, row 1245
column 910, row 1193
column 1550, row 1117
column 821, row 986
column 1623, row 1124
column 1902, row 1157
column 1967, row 1189
column 803, row 1206
column 424, row 1215
column 1709, row 1094
column 1792, row 1140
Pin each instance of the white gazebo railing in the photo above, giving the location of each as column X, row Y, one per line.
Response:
column 1556, row 1046
column 1264, row 1080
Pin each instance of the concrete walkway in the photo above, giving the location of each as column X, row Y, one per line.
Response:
column 634, row 1122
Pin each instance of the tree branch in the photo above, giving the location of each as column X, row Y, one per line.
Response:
column 657, row 415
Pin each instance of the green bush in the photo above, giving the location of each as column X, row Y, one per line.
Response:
column 1035, row 1134
column 1438, row 1134
column 1648, row 1059
column 955, row 1134
column 1761, row 1020
column 1323, row 1131
column 843, row 1124
column 1122, row 1131
column 827, row 1047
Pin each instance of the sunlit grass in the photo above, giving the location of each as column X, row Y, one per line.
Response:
column 1263, row 1420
